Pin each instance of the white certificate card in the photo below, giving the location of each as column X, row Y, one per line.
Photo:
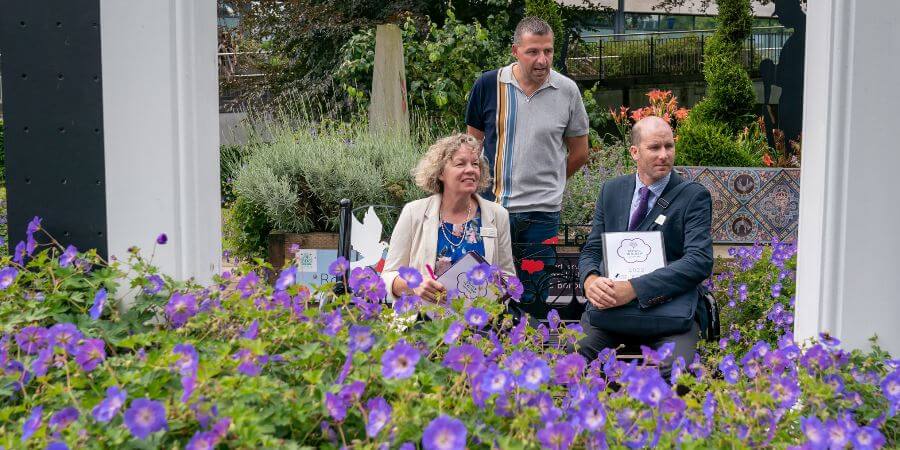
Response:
column 630, row 254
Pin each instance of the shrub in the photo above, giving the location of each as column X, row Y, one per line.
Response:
column 243, row 364
column 442, row 64
column 245, row 229
column 712, row 144
column 730, row 98
column 297, row 176
column 606, row 162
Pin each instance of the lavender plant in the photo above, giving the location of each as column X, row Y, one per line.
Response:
column 246, row 364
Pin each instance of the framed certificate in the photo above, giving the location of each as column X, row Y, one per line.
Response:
column 630, row 254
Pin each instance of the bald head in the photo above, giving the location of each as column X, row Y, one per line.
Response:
column 649, row 124
column 652, row 149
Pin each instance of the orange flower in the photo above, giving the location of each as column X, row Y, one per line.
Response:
column 637, row 115
column 681, row 114
column 767, row 160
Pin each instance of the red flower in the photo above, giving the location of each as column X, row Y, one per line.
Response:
column 532, row 265
column 767, row 160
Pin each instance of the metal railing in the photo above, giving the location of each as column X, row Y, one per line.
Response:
column 668, row 54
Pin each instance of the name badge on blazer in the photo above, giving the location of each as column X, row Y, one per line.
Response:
column 488, row 232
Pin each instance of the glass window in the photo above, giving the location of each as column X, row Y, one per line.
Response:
column 641, row 23
column 676, row 23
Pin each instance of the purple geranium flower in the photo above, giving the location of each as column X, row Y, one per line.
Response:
column 378, row 417
column 479, row 274
column 65, row 336
column 477, row 317
column 411, row 276
column 162, row 239
column 464, row 358
column 63, row 418
column 361, row 338
column 248, row 363
column 400, row 361
column 535, row 373
column 33, row 423
column 99, row 303
column 57, row 445
column 453, row 332
column 287, row 278
column 188, row 359
column 868, row 438
column 156, row 284
column 68, row 256
column 202, row 440
column 109, row 406
column 181, row 308
column 19, row 253
column 145, row 417
column 90, row 354
column 569, row 368
column 252, row 330
column 556, row 436
column 336, row 406
column 514, row 288
column 592, row 416
column 8, row 277
column 890, row 386
column 31, row 339
column 815, row 432
column 339, row 267
column 496, row 381
column 40, row 364
column 444, row 433
column 247, row 284
column 332, row 322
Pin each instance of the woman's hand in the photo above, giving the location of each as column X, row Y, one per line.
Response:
column 430, row 290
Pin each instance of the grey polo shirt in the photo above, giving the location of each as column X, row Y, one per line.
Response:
column 524, row 137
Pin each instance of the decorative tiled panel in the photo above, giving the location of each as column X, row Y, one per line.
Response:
column 750, row 204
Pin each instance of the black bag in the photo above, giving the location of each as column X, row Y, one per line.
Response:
column 708, row 316
column 675, row 316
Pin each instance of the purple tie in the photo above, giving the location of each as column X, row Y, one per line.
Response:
column 638, row 215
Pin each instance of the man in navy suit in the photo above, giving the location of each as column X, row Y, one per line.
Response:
column 629, row 203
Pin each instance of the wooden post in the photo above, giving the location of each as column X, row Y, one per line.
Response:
column 388, row 110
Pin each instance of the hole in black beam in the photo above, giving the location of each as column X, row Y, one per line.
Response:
column 59, row 76
column 64, row 181
column 28, row 181
column 61, row 130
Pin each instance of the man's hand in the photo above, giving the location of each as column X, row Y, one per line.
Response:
column 604, row 293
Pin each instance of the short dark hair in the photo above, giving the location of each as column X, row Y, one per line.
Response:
column 531, row 25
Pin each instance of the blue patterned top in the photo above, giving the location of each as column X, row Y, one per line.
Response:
column 463, row 238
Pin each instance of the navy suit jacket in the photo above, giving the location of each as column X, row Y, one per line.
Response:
column 686, row 237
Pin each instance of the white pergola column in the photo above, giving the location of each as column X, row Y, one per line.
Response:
column 848, row 269
column 161, row 136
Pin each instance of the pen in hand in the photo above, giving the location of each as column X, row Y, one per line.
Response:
column 430, row 272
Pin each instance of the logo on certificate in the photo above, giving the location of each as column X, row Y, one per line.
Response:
column 634, row 250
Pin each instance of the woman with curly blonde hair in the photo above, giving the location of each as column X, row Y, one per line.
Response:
column 435, row 232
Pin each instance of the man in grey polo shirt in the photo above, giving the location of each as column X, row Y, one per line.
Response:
column 534, row 128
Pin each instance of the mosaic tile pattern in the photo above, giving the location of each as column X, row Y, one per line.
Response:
column 750, row 204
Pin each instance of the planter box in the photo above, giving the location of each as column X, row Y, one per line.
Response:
column 283, row 244
column 750, row 204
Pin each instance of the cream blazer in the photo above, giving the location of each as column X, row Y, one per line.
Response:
column 414, row 240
